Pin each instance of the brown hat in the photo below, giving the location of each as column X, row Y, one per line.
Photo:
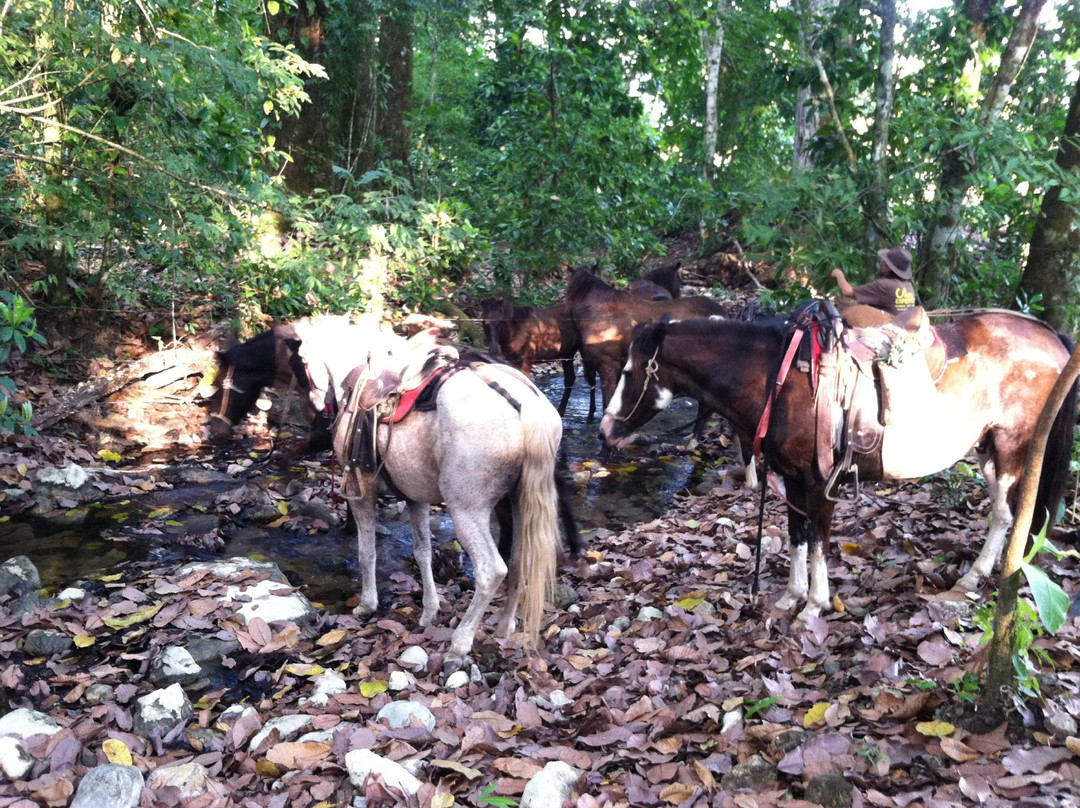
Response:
column 898, row 260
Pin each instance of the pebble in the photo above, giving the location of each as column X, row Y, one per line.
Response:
column 109, row 786
column 398, row 714
column 414, row 658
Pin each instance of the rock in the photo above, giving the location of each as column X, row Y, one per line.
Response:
column 559, row 699
column 398, row 681
column 830, row 790
column 363, row 763
column 25, row 723
column 754, row 773
column 98, row 693
column 207, row 651
column 399, row 714
column 791, row 739
column 71, row 477
column 271, row 601
column 551, row 786
column 18, row 576
column 1061, row 725
column 174, row 665
column 457, row 679
column 327, row 684
column 648, row 613
column 46, row 642
column 191, row 779
column 287, row 726
column 109, row 786
column 30, row 603
column 564, row 596
column 414, row 658
column 72, row 593
column 15, row 762
column 162, row 710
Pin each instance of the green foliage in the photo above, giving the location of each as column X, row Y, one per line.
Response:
column 1046, row 612
column 17, row 328
column 489, row 797
column 377, row 246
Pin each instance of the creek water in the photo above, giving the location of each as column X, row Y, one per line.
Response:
column 186, row 519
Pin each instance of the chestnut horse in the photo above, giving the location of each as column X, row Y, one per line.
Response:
column 489, row 436
column 987, row 399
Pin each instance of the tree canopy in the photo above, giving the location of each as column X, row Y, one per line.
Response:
column 268, row 162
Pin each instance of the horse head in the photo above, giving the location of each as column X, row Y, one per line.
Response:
column 242, row 371
column 494, row 312
column 640, row 393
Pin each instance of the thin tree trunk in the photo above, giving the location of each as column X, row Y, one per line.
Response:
column 396, row 56
column 1051, row 269
column 712, row 45
column 956, row 169
column 876, row 205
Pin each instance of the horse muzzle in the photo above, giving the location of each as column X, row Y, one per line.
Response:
column 615, row 432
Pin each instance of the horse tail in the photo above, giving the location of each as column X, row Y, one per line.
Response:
column 1055, row 469
column 538, row 507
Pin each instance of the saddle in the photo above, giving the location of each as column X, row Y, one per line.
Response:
column 873, row 379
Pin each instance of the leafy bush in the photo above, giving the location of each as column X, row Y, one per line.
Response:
column 17, row 327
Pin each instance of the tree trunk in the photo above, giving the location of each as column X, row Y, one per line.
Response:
column 1051, row 269
column 396, row 58
column 934, row 257
column 1001, row 674
column 304, row 138
column 712, row 46
column 876, row 206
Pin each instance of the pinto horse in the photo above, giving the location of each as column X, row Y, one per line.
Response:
column 491, row 437
column 244, row 370
column 988, row 399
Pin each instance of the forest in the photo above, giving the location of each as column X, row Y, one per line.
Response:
column 179, row 174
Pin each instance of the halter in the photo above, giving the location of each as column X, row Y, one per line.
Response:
column 652, row 371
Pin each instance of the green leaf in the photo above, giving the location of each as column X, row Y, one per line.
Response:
column 1050, row 599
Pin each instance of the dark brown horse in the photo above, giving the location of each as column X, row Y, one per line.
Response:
column 661, row 283
column 987, row 398
column 244, row 370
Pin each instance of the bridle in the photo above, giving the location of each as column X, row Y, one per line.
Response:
column 652, row 372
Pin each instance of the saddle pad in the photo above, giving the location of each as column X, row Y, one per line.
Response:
column 422, row 398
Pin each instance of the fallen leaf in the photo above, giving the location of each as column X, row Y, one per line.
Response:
column 935, row 729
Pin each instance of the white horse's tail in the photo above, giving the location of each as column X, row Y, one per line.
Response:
column 537, row 544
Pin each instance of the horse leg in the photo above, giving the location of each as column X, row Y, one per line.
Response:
column 504, row 627
column 589, row 372
column 750, row 478
column 809, row 536
column 473, row 528
column 420, row 519
column 568, row 384
column 999, row 484
column 360, row 496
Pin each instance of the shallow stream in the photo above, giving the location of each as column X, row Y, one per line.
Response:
column 200, row 508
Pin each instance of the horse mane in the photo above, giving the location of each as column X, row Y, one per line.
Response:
column 582, row 282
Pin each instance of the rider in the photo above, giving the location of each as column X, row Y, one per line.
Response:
column 893, row 292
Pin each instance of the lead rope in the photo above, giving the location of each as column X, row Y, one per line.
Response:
column 652, row 369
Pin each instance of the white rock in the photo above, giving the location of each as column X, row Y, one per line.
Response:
column 731, row 719
column 288, row 726
column 162, row 710
column 559, row 699
column 109, row 786
column 191, row 778
column 414, row 658
column 327, row 684
column 15, row 762
column 363, row 763
column 551, row 786
column 648, row 614
column 24, row 723
column 398, row 681
column 71, row 476
column 271, row 601
column 398, row 714
column 72, row 593
column 457, row 679
column 174, row 664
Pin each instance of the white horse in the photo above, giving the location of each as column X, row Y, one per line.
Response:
column 492, row 436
